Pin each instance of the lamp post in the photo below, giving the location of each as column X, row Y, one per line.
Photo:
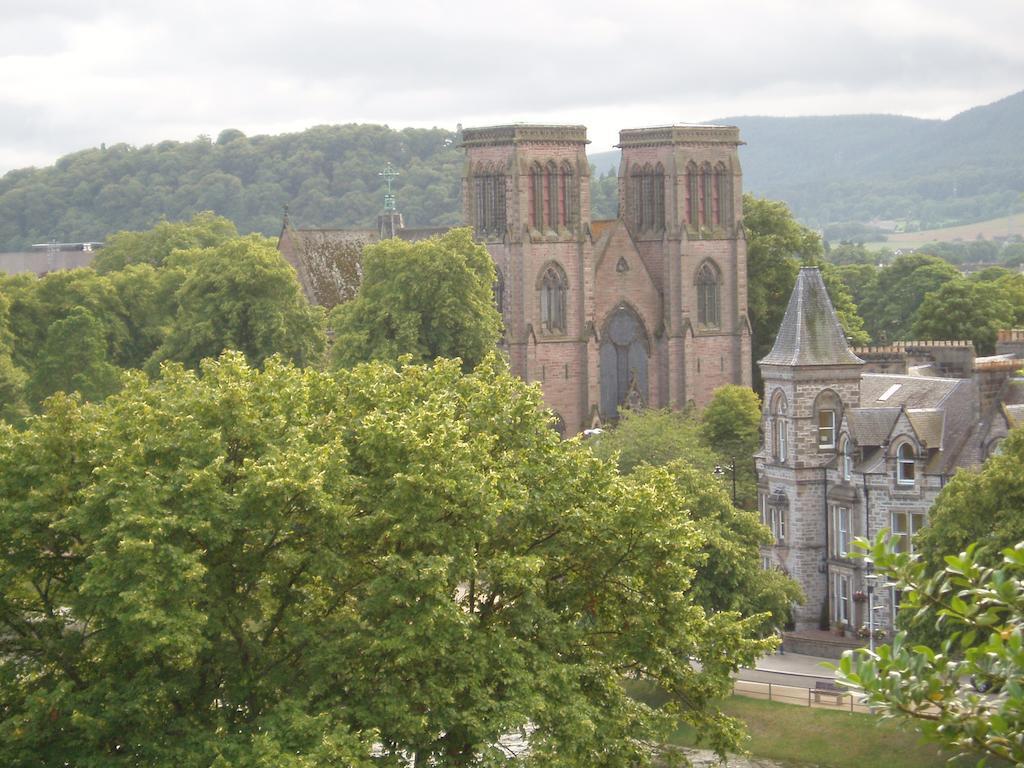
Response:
column 720, row 471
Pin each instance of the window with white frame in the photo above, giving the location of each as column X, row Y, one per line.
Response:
column 827, row 407
column 904, row 526
column 846, row 460
column 826, row 428
column 840, row 598
column 774, row 516
column 840, row 543
column 905, row 466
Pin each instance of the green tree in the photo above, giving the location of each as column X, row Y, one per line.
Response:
column 731, row 578
column 861, row 280
column 900, row 290
column 153, row 246
column 964, row 309
column 981, row 504
column 968, row 691
column 37, row 303
column 149, row 297
column 428, row 299
column 656, row 437
column 74, row 359
column 283, row 567
column 777, row 246
column 850, row 254
column 731, row 426
column 241, row 295
column 13, row 406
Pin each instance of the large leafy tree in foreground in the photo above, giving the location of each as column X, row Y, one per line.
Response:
column 731, row 579
column 283, row 567
column 966, row 691
column 428, row 299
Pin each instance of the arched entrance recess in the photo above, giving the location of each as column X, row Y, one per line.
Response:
column 624, row 355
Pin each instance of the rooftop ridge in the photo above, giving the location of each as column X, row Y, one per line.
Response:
column 524, row 133
column 679, row 134
column 899, row 346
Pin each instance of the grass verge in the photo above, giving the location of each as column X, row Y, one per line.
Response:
column 827, row 738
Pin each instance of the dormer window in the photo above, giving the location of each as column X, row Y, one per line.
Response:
column 905, row 464
column 846, row 460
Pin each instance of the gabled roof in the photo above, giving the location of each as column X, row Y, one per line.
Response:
column 928, row 423
column 810, row 333
column 871, row 426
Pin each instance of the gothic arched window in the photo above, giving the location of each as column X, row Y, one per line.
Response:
column 723, row 181
column 708, row 294
column 552, row 178
column 637, row 177
column 624, row 355
column 648, row 197
column 537, row 196
column 659, row 197
column 706, row 195
column 553, row 287
column 489, row 200
column 569, row 201
column 692, row 195
column 646, row 217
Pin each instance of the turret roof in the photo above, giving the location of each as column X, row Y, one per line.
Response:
column 810, row 333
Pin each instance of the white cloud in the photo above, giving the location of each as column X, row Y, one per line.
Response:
column 75, row 74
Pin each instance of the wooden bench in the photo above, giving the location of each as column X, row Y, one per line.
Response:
column 826, row 688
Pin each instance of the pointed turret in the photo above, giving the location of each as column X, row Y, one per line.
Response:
column 810, row 333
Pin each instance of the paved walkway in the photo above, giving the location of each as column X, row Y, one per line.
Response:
column 793, row 669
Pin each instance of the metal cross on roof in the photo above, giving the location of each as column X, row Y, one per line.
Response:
column 389, row 173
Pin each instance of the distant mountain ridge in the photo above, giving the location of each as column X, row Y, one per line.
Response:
column 830, row 170
column 858, row 168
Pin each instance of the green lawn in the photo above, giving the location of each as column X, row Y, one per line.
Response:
column 827, row 738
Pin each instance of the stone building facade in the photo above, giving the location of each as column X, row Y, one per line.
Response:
column 857, row 441
column 647, row 309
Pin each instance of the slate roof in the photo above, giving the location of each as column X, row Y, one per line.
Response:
column 911, row 391
column 1014, row 414
column 928, row 423
column 329, row 261
column 810, row 333
column 871, row 426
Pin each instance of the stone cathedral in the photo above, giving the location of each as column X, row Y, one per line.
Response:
column 646, row 310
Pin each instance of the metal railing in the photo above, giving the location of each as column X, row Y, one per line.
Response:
column 824, row 698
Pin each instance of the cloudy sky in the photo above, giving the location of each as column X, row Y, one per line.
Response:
column 75, row 73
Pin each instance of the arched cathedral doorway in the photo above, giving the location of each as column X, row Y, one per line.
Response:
column 624, row 354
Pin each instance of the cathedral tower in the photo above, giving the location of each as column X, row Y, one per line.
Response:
column 680, row 194
column 527, row 195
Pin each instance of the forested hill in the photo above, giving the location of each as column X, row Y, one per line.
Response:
column 328, row 176
column 860, row 167
column 830, row 170
column 855, row 168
